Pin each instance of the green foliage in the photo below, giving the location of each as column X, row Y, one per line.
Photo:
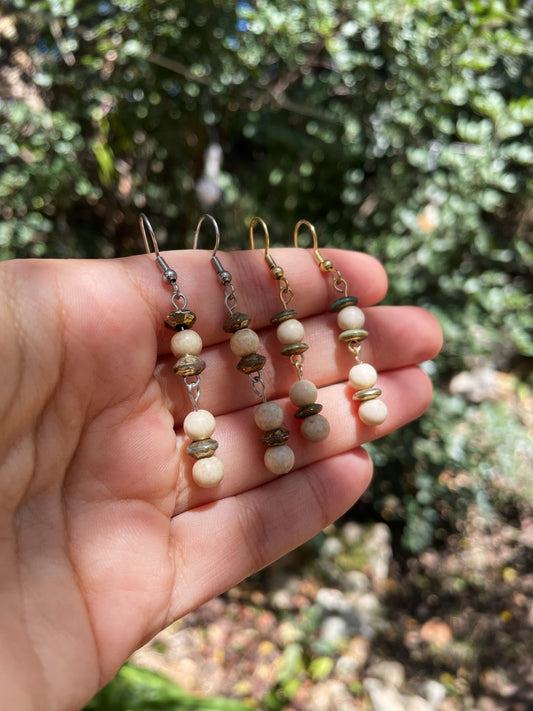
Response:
column 401, row 128
column 138, row 689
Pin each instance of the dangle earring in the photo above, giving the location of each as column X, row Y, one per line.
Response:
column 244, row 343
column 186, row 345
column 290, row 333
column 351, row 319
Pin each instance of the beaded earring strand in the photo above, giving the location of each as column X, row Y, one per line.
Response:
column 351, row 319
column 244, row 343
column 290, row 333
column 186, row 345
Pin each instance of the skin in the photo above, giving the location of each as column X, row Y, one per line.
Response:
column 104, row 539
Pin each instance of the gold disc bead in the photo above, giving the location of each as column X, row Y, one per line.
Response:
column 180, row 320
column 294, row 349
column 354, row 334
column 283, row 316
column 251, row 363
column 235, row 322
column 189, row 365
column 344, row 302
column 308, row 410
column 277, row 437
column 202, row 448
column 367, row 394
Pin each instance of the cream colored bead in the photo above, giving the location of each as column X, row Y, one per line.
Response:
column 244, row 342
column 315, row 428
column 199, row 424
column 208, row 472
column 362, row 375
column 373, row 412
column 350, row 317
column 268, row 416
column 186, row 343
column 290, row 331
column 303, row 392
column 279, row 460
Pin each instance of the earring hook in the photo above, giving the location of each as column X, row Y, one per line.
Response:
column 253, row 222
column 275, row 270
column 168, row 274
column 326, row 265
column 217, row 232
column 143, row 220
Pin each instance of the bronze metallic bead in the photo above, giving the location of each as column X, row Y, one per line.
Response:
column 345, row 301
column 275, row 438
column 189, row 365
column 235, row 322
column 180, row 320
column 283, row 316
column 276, row 271
column 308, row 410
column 202, row 448
column 294, row 349
column 367, row 394
column 353, row 334
column 251, row 363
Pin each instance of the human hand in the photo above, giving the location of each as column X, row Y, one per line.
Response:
column 104, row 539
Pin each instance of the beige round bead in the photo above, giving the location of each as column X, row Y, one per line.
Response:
column 208, row 472
column 279, row 460
column 186, row 343
column 199, row 424
column 303, row 392
column 244, row 342
column 315, row 428
column 268, row 416
column 350, row 317
column 373, row 412
column 290, row 331
column 362, row 375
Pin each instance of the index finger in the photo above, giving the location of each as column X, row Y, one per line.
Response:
column 257, row 293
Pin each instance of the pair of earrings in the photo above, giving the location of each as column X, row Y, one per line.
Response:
column 186, row 345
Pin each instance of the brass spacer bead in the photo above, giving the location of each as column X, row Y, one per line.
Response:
column 235, row 322
column 180, row 320
column 251, row 363
column 345, row 301
column 283, row 316
column 189, row 365
column 276, row 271
column 275, row 438
column 366, row 394
column 354, row 334
column 202, row 448
column 308, row 410
column 326, row 265
column 294, row 349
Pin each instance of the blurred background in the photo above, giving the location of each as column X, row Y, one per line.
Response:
column 403, row 129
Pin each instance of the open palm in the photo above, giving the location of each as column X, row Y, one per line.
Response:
column 104, row 538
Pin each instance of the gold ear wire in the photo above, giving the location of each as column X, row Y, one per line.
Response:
column 275, row 270
column 326, row 265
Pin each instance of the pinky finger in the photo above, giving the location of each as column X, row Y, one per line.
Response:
column 217, row 545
